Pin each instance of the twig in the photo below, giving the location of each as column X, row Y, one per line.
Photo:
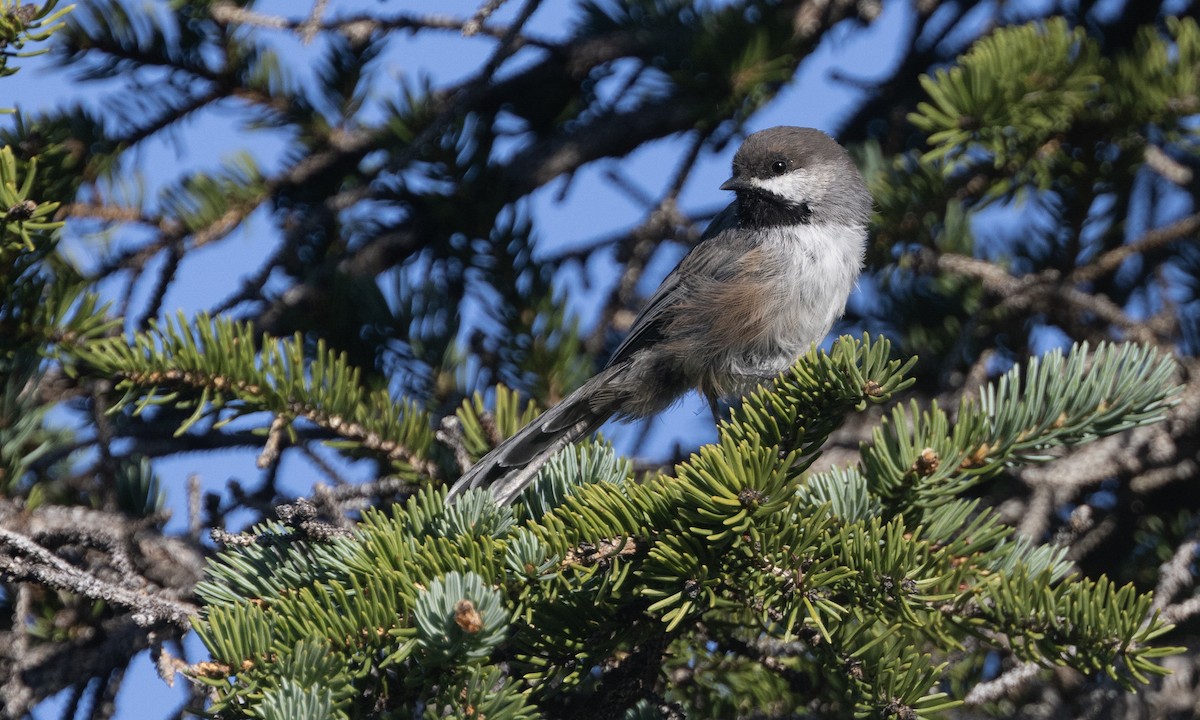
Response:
column 105, row 705
column 303, row 515
column 377, row 489
column 320, row 464
column 360, row 25
column 1167, row 166
column 225, row 13
column 660, row 223
column 30, row 561
column 15, row 692
column 312, row 25
column 371, row 440
column 1175, row 574
column 252, row 286
column 1181, row 611
column 591, row 554
column 114, row 213
column 485, row 11
column 1038, row 511
column 762, row 652
column 631, row 191
column 1149, row 241
column 451, row 435
column 1010, row 683
column 681, row 227
column 508, row 42
column 193, row 506
column 1084, row 544
column 274, row 444
column 166, row 274
column 1044, row 292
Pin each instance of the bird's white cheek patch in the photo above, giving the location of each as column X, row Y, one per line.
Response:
column 796, row 186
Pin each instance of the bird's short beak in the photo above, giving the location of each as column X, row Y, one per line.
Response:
column 736, row 184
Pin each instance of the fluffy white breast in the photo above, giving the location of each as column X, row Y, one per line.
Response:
column 813, row 270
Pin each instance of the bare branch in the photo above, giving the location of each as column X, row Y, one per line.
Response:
column 23, row 560
column 363, row 25
column 485, row 11
column 1167, row 166
column 1152, row 240
column 1175, row 574
column 451, row 435
column 1044, row 292
column 1011, row 682
column 312, row 25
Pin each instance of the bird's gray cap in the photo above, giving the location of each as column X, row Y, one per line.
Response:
column 796, row 166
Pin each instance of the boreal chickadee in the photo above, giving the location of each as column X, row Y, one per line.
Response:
column 768, row 278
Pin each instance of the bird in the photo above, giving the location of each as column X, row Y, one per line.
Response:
column 767, row 279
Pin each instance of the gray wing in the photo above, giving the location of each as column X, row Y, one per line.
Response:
column 649, row 324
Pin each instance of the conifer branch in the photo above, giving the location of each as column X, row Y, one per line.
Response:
column 854, row 588
column 736, row 536
column 212, row 366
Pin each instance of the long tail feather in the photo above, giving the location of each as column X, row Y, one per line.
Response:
column 512, row 465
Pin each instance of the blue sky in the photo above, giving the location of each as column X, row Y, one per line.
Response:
column 591, row 208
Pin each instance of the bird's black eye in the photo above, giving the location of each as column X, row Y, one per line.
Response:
column 779, row 167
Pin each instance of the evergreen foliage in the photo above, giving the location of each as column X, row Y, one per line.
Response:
column 21, row 24
column 1057, row 79
column 214, row 366
column 736, row 550
column 1041, row 117
column 1019, row 529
